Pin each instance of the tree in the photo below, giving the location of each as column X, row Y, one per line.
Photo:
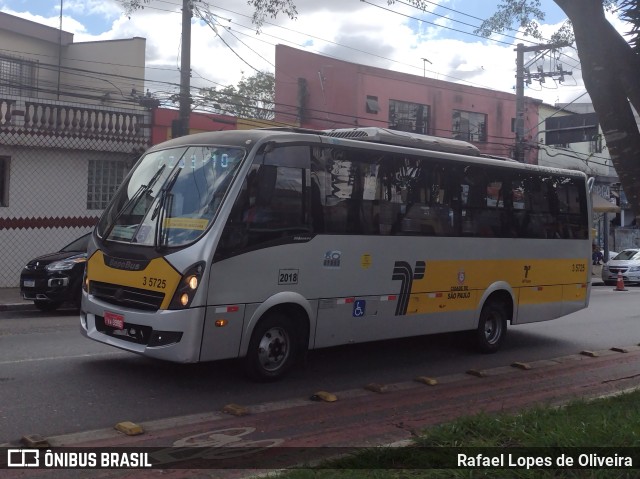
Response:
column 610, row 70
column 254, row 97
column 262, row 9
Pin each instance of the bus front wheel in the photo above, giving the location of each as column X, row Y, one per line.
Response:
column 492, row 327
column 272, row 349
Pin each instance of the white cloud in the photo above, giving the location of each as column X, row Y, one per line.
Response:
column 104, row 8
column 351, row 30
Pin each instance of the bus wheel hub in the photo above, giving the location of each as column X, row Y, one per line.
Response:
column 273, row 349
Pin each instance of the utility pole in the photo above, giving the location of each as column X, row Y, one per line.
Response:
column 60, row 49
column 181, row 127
column 519, row 126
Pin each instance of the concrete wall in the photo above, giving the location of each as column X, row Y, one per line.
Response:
column 335, row 94
column 575, row 156
column 108, row 70
column 47, row 204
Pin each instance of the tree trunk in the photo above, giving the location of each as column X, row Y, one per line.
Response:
column 608, row 70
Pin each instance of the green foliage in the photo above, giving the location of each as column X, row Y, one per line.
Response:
column 254, row 97
column 271, row 8
column 263, row 8
column 131, row 6
column 610, row 422
column 524, row 13
column 631, row 13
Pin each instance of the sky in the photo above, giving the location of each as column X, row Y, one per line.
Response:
column 438, row 43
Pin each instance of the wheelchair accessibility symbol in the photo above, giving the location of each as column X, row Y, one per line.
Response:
column 359, row 308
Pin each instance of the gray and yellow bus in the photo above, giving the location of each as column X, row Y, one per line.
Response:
column 265, row 244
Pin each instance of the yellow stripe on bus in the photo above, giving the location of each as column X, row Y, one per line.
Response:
column 479, row 274
column 458, row 285
column 158, row 276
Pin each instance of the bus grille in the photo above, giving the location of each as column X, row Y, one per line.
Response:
column 126, row 296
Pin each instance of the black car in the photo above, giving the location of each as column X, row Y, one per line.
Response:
column 56, row 278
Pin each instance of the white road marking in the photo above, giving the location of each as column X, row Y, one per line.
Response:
column 51, row 358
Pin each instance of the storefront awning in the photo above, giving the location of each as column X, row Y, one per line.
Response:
column 601, row 205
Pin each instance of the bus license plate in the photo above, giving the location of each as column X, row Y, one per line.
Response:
column 113, row 320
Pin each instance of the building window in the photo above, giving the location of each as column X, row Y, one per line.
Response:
column 17, row 76
column 4, row 181
column 405, row 116
column 469, row 126
column 372, row 104
column 104, row 178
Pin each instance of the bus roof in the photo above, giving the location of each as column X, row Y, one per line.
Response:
column 367, row 134
column 404, row 138
column 371, row 135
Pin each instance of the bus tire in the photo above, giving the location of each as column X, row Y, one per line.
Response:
column 492, row 327
column 272, row 349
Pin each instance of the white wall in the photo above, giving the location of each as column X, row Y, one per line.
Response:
column 577, row 155
column 46, row 187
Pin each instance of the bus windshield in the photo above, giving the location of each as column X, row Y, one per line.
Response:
column 171, row 197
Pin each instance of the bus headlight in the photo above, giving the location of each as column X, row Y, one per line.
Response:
column 188, row 286
column 85, row 281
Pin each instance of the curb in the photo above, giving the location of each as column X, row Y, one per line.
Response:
column 17, row 307
column 455, row 380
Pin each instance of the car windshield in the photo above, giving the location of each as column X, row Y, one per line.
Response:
column 629, row 254
column 80, row 244
column 171, row 196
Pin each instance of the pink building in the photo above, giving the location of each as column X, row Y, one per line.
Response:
column 318, row 92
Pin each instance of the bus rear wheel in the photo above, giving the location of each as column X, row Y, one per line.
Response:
column 272, row 349
column 492, row 327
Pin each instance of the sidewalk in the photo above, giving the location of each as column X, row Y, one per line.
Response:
column 596, row 275
column 296, row 430
column 11, row 300
column 288, row 433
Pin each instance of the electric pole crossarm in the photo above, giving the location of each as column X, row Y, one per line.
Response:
column 519, row 124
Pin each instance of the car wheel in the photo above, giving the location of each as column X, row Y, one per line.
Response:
column 492, row 327
column 272, row 349
column 47, row 305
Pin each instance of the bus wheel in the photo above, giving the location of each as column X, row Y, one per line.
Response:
column 272, row 349
column 492, row 327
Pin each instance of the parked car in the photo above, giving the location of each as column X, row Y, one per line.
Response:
column 626, row 262
column 56, row 278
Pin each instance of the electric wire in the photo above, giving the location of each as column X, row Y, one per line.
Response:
column 173, row 84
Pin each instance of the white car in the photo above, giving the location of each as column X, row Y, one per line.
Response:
column 626, row 262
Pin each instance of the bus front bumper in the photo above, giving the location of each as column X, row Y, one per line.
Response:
column 167, row 335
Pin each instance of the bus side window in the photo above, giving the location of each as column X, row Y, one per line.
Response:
column 272, row 204
column 347, row 186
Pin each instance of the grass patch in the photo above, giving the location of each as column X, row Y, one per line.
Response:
column 578, row 429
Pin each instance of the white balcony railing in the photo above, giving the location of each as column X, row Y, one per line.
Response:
column 24, row 120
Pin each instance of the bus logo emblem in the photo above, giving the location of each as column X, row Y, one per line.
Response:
column 332, row 259
column 403, row 272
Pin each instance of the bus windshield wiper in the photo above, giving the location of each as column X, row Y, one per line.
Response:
column 161, row 207
column 133, row 201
